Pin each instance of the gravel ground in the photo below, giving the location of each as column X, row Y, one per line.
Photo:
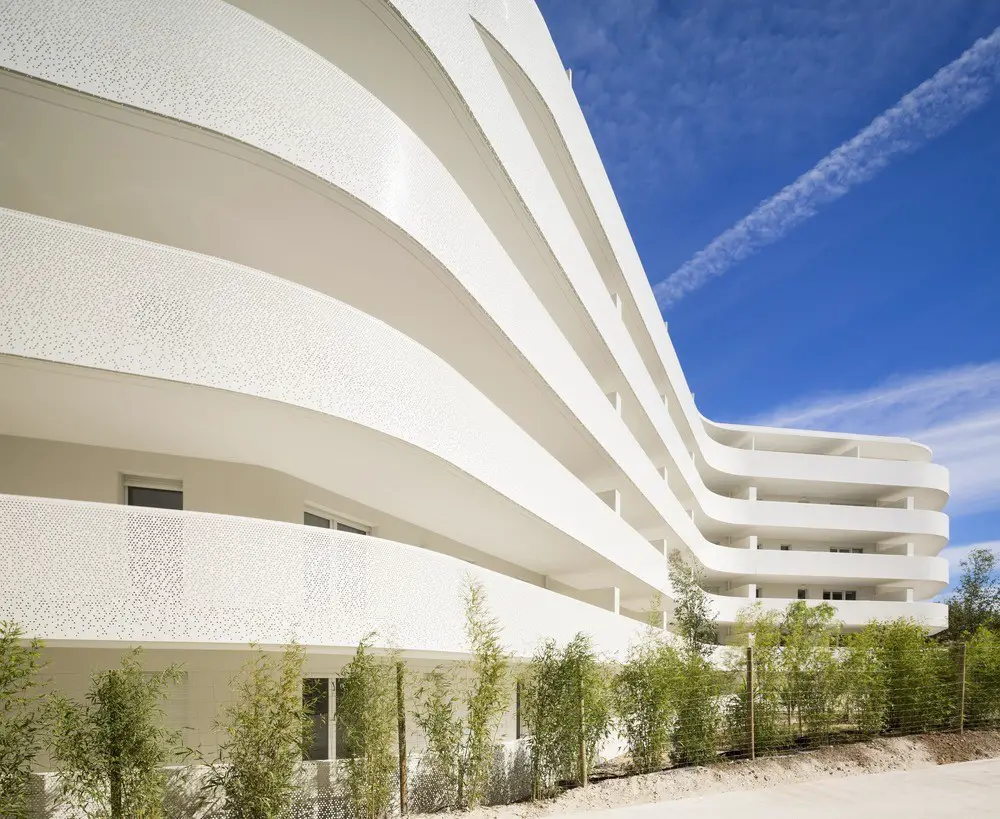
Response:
column 895, row 754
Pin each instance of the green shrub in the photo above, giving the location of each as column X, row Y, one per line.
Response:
column 460, row 714
column 565, row 704
column 367, row 714
column 255, row 771
column 760, row 628
column 696, row 703
column 920, row 679
column 22, row 718
column 864, row 682
column 645, row 703
column 110, row 751
column 810, row 672
column 982, row 697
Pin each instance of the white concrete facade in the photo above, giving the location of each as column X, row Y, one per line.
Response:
column 361, row 259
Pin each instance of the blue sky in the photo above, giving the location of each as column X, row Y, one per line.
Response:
column 814, row 189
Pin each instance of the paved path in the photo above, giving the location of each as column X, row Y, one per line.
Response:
column 967, row 790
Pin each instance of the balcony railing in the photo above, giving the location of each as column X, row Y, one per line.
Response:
column 98, row 572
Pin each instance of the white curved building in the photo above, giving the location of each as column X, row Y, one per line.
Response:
column 310, row 309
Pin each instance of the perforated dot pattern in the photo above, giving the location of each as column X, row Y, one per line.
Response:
column 88, row 571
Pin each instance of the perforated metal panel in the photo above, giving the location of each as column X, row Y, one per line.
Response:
column 88, row 571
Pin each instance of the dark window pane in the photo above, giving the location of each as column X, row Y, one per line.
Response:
column 851, row 595
column 343, row 527
column 838, row 595
column 156, row 498
column 802, row 594
column 315, row 520
column 316, row 699
column 342, row 750
column 826, row 595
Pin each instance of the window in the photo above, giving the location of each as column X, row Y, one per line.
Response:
column 785, row 547
column 153, row 492
column 802, row 594
column 857, row 551
column 840, row 595
column 760, row 592
column 324, row 521
column 851, row 551
column 316, row 699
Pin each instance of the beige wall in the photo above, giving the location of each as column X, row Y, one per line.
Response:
column 54, row 469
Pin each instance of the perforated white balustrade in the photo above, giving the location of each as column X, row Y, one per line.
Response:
column 89, row 571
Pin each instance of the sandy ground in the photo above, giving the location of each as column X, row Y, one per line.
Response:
column 881, row 755
column 965, row 790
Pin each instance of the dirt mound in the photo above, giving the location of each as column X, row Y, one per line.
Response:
column 889, row 754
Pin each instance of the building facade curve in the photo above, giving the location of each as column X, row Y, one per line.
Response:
column 268, row 268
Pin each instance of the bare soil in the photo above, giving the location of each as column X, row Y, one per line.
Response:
column 880, row 755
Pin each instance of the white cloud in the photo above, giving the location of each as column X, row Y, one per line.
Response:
column 684, row 93
column 935, row 106
column 955, row 411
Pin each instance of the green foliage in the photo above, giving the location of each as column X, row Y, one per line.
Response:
column 696, row 696
column 367, row 714
column 982, row 698
column 975, row 602
column 645, row 704
column 760, row 628
column 919, row 678
column 694, row 619
column 565, row 701
column 22, row 719
column 460, row 714
column 809, row 668
column 863, row 682
column 438, row 719
column 265, row 728
column 696, row 686
column 110, row 751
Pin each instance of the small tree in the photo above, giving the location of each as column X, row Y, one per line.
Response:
column 982, row 706
column 22, row 718
column 696, row 694
column 265, row 728
column 919, row 678
column 565, row 702
column 763, row 628
column 976, row 600
column 864, row 681
column 644, row 702
column 110, row 751
column 461, row 745
column 809, row 666
column 367, row 714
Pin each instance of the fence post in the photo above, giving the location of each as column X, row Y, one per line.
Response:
column 750, row 704
column 961, row 692
column 401, row 732
column 583, row 732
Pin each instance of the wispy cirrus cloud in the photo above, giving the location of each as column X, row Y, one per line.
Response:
column 954, row 411
column 931, row 109
column 687, row 93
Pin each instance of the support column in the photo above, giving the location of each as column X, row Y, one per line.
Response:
column 613, row 498
column 661, row 546
column 617, row 300
column 616, row 401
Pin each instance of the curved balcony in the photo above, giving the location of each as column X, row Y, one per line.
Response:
column 852, row 614
column 418, row 171
column 520, row 30
column 98, row 572
column 350, row 404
